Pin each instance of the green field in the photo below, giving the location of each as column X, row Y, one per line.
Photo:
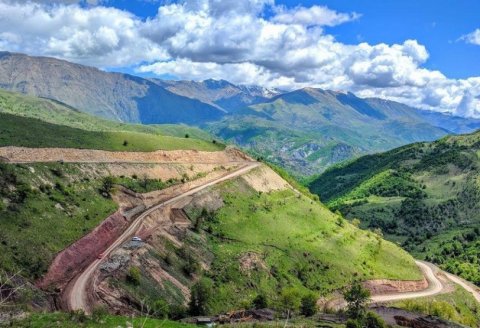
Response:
column 425, row 196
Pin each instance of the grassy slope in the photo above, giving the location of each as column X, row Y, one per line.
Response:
column 300, row 243
column 458, row 306
column 64, row 320
column 426, row 196
column 28, row 132
column 44, row 208
column 35, row 122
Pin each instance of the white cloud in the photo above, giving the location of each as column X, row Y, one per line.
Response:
column 236, row 41
column 473, row 38
column 315, row 15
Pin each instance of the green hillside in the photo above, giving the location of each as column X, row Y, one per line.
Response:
column 34, row 122
column 425, row 196
column 264, row 244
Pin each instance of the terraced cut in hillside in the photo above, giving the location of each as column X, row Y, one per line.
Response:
column 425, row 196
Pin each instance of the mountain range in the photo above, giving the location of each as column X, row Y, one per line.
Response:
column 305, row 130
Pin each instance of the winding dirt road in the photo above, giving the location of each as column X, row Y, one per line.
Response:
column 76, row 293
column 435, row 286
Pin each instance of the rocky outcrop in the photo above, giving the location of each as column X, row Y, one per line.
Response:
column 73, row 259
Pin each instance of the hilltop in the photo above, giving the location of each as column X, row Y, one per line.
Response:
column 425, row 196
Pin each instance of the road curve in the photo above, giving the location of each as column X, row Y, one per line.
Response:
column 76, row 295
column 435, row 286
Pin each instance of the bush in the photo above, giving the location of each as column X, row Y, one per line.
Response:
column 134, row 275
column 309, row 305
column 290, row 299
column 260, row 302
column 201, row 295
column 353, row 324
column 357, row 298
column 372, row 320
column 160, row 309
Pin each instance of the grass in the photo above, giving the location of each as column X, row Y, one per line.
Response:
column 425, row 195
column 44, row 208
column 458, row 306
column 54, row 112
column 298, row 243
column 67, row 320
column 29, row 132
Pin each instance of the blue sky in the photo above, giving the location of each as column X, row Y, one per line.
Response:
column 423, row 53
column 436, row 24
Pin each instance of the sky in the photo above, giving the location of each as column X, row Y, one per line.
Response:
column 422, row 53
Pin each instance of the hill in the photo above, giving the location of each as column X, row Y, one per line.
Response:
column 425, row 196
column 35, row 122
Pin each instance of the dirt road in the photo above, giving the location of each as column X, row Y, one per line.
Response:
column 435, row 286
column 76, row 293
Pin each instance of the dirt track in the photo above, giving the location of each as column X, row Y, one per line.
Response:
column 435, row 286
column 76, row 294
column 31, row 155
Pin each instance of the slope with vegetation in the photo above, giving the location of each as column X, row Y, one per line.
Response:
column 425, row 196
column 35, row 122
column 246, row 239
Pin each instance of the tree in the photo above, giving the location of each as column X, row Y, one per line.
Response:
column 107, row 186
column 201, row 294
column 187, row 136
column 260, row 302
column 309, row 305
column 125, row 143
column 357, row 298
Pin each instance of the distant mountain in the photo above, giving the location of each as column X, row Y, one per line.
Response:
column 114, row 96
column 305, row 130
column 220, row 93
column 310, row 129
column 425, row 196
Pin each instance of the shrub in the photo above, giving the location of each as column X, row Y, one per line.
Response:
column 290, row 299
column 134, row 275
column 309, row 305
column 187, row 136
column 357, row 298
column 160, row 309
column 260, row 302
column 351, row 323
column 372, row 320
column 201, row 294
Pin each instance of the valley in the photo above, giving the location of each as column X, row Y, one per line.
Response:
column 106, row 218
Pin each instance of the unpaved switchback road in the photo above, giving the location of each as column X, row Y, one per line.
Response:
column 435, row 286
column 76, row 293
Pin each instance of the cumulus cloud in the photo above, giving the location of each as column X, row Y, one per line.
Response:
column 315, row 15
column 473, row 37
column 237, row 41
